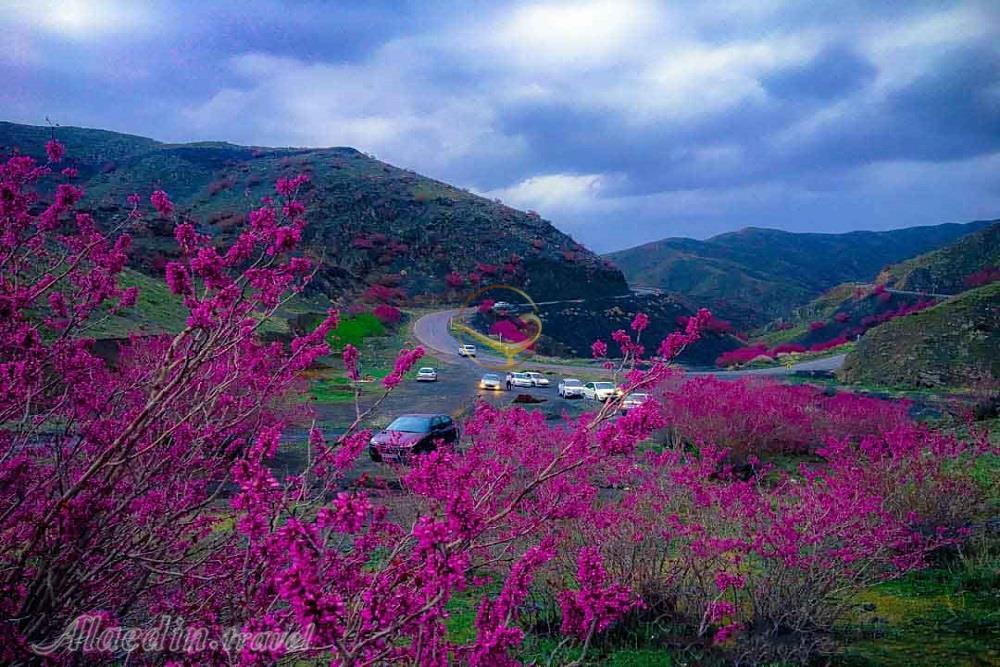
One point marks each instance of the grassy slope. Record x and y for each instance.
(945, 270)
(755, 275)
(156, 310)
(953, 344)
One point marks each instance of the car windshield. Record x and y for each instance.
(603, 385)
(571, 383)
(426, 370)
(639, 397)
(521, 376)
(410, 424)
(491, 378)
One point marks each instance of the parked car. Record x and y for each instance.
(491, 381)
(599, 391)
(571, 388)
(502, 306)
(633, 401)
(466, 350)
(537, 379)
(520, 380)
(412, 434)
(427, 374)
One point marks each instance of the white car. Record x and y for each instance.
(502, 305)
(599, 391)
(466, 350)
(571, 388)
(521, 380)
(537, 379)
(491, 381)
(427, 374)
(633, 401)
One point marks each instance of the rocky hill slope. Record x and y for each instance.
(397, 234)
(971, 261)
(756, 275)
(953, 344)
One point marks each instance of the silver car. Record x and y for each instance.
(633, 401)
(599, 391)
(537, 379)
(521, 380)
(427, 374)
(491, 381)
(571, 388)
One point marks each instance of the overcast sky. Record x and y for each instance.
(620, 121)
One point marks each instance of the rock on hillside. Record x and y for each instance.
(370, 222)
(756, 275)
(971, 261)
(953, 344)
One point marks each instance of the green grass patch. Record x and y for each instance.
(948, 615)
(354, 330)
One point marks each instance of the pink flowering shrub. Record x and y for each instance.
(387, 314)
(108, 472)
(765, 567)
(788, 348)
(986, 276)
(753, 417)
(513, 331)
(742, 355)
(829, 344)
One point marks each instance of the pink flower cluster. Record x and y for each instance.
(598, 603)
(404, 363)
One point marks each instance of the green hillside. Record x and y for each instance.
(370, 222)
(951, 269)
(845, 311)
(757, 275)
(953, 344)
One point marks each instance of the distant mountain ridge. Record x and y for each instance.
(756, 275)
(373, 224)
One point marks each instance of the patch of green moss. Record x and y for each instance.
(940, 616)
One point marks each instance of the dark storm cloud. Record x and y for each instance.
(834, 71)
(662, 118)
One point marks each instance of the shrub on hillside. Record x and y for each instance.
(752, 418)
(990, 274)
(741, 355)
(389, 315)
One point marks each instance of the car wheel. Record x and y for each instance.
(375, 456)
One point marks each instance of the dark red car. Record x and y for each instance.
(412, 434)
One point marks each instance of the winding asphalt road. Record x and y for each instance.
(433, 333)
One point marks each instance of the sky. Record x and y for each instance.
(621, 122)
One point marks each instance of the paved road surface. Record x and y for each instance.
(893, 290)
(432, 332)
